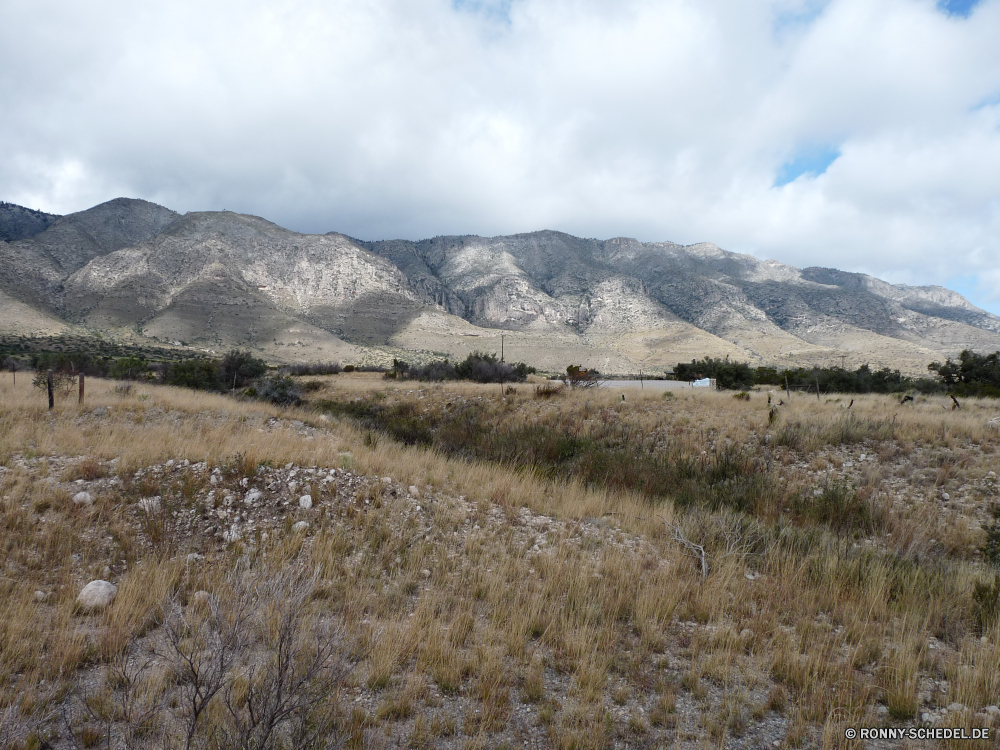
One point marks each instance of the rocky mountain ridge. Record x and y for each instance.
(212, 280)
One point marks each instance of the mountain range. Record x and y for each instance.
(209, 281)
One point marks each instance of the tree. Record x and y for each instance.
(129, 368)
(239, 368)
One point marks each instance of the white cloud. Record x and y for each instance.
(665, 119)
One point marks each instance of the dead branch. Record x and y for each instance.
(696, 550)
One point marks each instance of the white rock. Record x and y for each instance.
(96, 595)
(214, 479)
(926, 718)
(945, 496)
(955, 707)
(193, 558)
(40, 596)
(289, 466)
(414, 492)
(306, 502)
(425, 573)
(101, 411)
(993, 711)
(150, 504)
(300, 526)
(253, 496)
(231, 535)
(170, 462)
(882, 710)
(386, 480)
(83, 498)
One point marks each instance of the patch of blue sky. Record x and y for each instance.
(811, 162)
(791, 21)
(961, 8)
(975, 291)
(495, 10)
(989, 101)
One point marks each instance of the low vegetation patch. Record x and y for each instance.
(596, 573)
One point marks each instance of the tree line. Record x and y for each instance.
(971, 374)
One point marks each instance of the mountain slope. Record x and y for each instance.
(19, 223)
(218, 279)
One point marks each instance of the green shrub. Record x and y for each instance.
(278, 389)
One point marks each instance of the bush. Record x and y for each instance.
(578, 377)
(728, 375)
(129, 368)
(201, 374)
(986, 604)
(278, 389)
(478, 367)
(991, 550)
(239, 368)
(317, 368)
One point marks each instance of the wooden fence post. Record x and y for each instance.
(81, 389)
(52, 398)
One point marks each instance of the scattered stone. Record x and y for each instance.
(83, 498)
(214, 479)
(96, 595)
(746, 634)
(300, 526)
(955, 707)
(993, 711)
(40, 596)
(100, 411)
(289, 466)
(386, 480)
(414, 492)
(253, 496)
(945, 496)
(425, 573)
(306, 502)
(193, 558)
(882, 710)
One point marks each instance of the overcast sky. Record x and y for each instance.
(858, 134)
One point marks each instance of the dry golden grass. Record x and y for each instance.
(571, 600)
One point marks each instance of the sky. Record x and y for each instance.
(857, 134)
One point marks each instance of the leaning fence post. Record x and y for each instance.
(81, 389)
(48, 381)
(817, 388)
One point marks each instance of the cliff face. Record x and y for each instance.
(220, 279)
